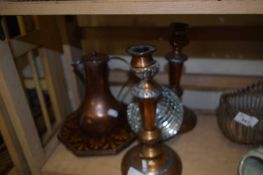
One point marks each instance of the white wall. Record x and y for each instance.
(205, 100)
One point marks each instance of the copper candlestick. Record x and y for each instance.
(176, 59)
(150, 156)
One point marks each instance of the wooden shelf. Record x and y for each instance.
(204, 151)
(131, 7)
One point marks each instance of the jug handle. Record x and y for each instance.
(121, 59)
(81, 76)
(77, 71)
(127, 82)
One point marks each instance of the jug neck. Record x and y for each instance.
(96, 77)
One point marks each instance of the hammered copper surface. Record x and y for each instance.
(95, 111)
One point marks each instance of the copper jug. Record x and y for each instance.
(100, 113)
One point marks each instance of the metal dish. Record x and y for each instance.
(249, 101)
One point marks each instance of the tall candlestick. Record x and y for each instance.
(176, 58)
(150, 156)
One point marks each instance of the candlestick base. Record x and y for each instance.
(189, 120)
(168, 163)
